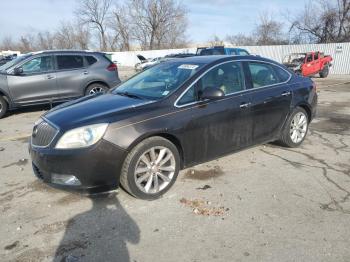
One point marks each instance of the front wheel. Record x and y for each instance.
(151, 168)
(295, 128)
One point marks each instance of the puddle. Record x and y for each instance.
(41, 186)
(333, 125)
(12, 246)
(205, 187)
(21, 162)
(24, 140)
(53, 228)
(72, 245)
(204, 174)
(71, 198)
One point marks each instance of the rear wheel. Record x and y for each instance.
(96, 88)
(325, 71)
(151, 168)
(3, 106)
(295, 129)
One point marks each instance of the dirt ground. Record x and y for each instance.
(263, 204)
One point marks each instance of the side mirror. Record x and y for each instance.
(18, 71)
(212, 93)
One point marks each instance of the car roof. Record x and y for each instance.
(66, 52)
(220, 58)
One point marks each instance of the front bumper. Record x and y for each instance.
(97, 168)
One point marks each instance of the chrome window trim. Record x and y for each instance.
(53, 138)
(235, 93)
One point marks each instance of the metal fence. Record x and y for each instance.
(339, 51)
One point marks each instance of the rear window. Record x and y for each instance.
(91, 60)
(220, 51)
(70, 62)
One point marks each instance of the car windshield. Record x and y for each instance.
(8, 65)
(158, 81)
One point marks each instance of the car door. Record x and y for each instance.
(308, 67)
(72, 75)
(37, 82)
(221, 126)
(271, 97)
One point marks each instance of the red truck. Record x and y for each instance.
(308, 64)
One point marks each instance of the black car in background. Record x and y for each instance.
(172, 116)
(54, 76)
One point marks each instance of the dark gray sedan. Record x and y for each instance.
(54, 76)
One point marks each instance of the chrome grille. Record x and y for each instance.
(43, 134)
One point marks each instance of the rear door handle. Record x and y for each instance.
(86, 72)
(244, 105)
(286, 93)
(50, 77)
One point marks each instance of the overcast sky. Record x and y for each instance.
(206, 17)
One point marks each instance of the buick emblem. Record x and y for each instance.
(35, 131)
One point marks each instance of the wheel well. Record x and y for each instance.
(96, 82)
(308, 111)
(5, 97)
(173, 139)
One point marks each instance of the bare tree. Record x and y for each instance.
(215, 41)
(155, 20)
(121, 26)
(96, 14)
(322, 21)
(241, 40)
(7, 43)
(71, 36)
(268, 31)
(25, 44)
(45, 41)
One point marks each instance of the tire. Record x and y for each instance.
(147, 176)
(290, 134)
(3, 107)
(325, 71)
(96, 88)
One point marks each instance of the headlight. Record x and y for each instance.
(82, 137)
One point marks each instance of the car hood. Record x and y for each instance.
(91, 109)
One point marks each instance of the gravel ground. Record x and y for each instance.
(266, 203)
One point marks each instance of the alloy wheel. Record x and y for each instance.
(155, 170)
(298, 127)
(95, 90)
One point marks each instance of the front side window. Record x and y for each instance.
(228, 77)
(38, 65)
(69, 62)
(158, 81)
(262, 74)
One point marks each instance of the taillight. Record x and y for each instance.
(112, 67)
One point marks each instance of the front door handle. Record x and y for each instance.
(50, 77)
(286, 93)
(86, 72)
(244, 105)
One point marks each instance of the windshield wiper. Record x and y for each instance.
(129, 95)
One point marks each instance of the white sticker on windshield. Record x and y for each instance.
(186, 66)
(165, 92)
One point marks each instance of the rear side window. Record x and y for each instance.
(283, 76)
(242, 52)
(91, 60)
(262, 74)
(69, 62)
